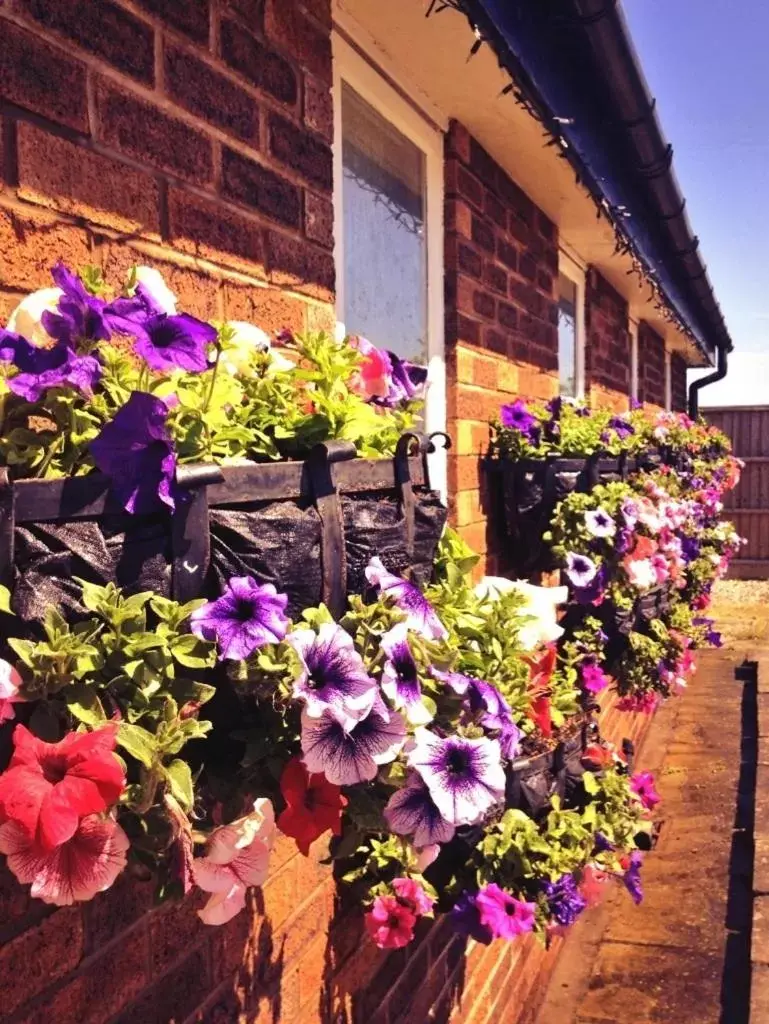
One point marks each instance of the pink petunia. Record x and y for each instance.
(389, 923)
(505, 916)
(237, 856)
(373, 378)
(642, 784)
(411, 893)
(10, 681)
(74, 871)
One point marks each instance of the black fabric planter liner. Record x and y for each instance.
(533, 781)
(528, 491)
(308, 527)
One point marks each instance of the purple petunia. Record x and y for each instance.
(408, 381)
(632, 876)
(347, 756)
(420, 614)
(44, 368)
(400, 676)
(411, 811)
(690, 549)
(712, 636)
(81, 316)
(505, 916)
(247, 616)
(564, 899)
(599, 523)
(622, 427)
(465, 777)
(486, 704)
(580, 569)
(630, 512)
(466, 919)
(601, 844)
(516, 416)
(136, 452)
(593, 593)
(333, 680)
(164, 342)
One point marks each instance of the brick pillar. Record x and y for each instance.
(607, 344)
(651, 366)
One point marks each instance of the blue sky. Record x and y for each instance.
(707, 63)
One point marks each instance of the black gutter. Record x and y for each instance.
(696, 386)
(575, 64)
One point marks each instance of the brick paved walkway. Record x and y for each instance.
(683, 956)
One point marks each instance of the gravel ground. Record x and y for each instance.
(735, 592)
(741, 611)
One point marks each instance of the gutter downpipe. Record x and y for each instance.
(696, 386)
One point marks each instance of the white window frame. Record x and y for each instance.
(351, 66)
(668, 380)
(576, 271)
(632, 329)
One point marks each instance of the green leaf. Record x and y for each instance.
(5, 600)
(138, 742)
(590, 783)
(192, 652)
(83, 702)
(180, 780)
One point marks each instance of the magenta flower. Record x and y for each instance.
(642, 784)
(465, 777)
(411, 893)
(247, 616)
(136, 452)
(400, 678)
(333, 678)
(389, 923)
(44, 368)
(504, 915)
(411, 811)
(350, 755)
(420, 614)
(594, 679)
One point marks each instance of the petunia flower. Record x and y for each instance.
(516, 416)
(48, 787)
(564, 899)
(580, 569)
(389, 923)
(136, 452)
(313, 805)
(244, 341)
(465, 777)
(411, 811)
(247, 616)
(373, 378)
(487, 705)
(599, 523)
(593, 677)
(537, 617)
(642, 784)
(350, 755)
(640, 572)
(156, 292)
(622, 427)
(10, 681)
(27, 317)
(79, 316)
(632, 876)
(420, 614)
(333, 678)
(237, 856)
(412, 895)
(593, 884)
(164, 342)
(400, 676)
(44, 368)
(466, 919)
(426, 855)
(86, 863)
(408, 380)
(505, 916)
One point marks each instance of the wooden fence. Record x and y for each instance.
(748, 504)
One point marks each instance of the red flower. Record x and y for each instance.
(541, 669)
(49, 787)
(314, 805)
(597, 755)
(540, 715)
(389, 923)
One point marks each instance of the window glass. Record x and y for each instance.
(385, 253)
(567, 335)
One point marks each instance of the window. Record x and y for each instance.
(633, 332)
(388, 192)
(571, 319)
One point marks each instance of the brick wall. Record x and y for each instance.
(607, 344)
(679, 396)
(501, 257)
(189, 135)
(651, 366)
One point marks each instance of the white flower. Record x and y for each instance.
(538, 613)
(158, 290)
(244, 341)
(641, 573)
(27, 318)
(237, 856)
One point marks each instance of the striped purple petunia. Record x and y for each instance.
(464, 776)
(420, 614)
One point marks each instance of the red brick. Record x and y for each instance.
(484, 304)
(507, 254)
(251, 11)
(507, 316)
(103, 29)
(296, 263)
(268, 308)
(300, 151)
(263, 68)
(469, 187)
(484, 166)
(145, 133)
(196, 290)
(320, 9)
(206, 93)
(470, 262)
(250, 183)
(187, 16)
(495, 210)
(109, 915)
(496, 278)
(214, 232)
(175, 996)
(462, 328)
(78, 181)
(319, 219)
(40, 956)
(30, 244)
(174, 928)
(483, 234)
(102, 990)
(527, 266)
(38, 77)
(319, 109)
(294, 33)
